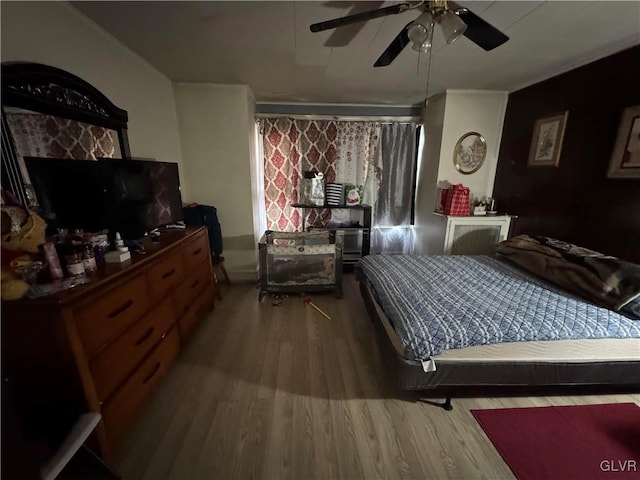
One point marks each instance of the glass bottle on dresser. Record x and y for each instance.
(73, 257)
(89, 259)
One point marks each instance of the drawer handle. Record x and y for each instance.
(169, 273)
(143, 338)
(197, 252)
(121, 309)
(153, 373)
(195, 284)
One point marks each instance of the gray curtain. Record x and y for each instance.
(392, 211)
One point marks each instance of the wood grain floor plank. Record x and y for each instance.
(344, 433)
(278, 459)
(280, 392)
(229, 430)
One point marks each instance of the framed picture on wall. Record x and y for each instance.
(469, 153)
(546, 144)
(625, 159)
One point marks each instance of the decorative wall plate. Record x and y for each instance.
(469, 153)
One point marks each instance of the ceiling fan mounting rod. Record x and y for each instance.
(438, 4)
(438, 8)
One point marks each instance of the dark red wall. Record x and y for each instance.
(575, 201)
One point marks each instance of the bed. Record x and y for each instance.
(457, 325)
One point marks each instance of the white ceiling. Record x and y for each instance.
(268, 46)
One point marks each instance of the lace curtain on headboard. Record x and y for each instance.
(37, 135)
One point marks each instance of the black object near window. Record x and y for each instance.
(205, 215)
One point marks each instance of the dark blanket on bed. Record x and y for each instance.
(600, 279)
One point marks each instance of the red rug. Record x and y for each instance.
(572, 442)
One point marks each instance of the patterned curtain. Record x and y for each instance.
(37, 135)
(381, 157)
(291, 147)
(359, 157)
(359, 161)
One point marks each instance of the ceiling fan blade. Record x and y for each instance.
(341, 37)
(395, 47)
(359, 17)
(479, 31)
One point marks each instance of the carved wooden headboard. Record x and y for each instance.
(51, 91)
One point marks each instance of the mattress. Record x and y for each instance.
(466, 308)
(559, 351)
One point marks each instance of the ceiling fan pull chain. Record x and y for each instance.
(426, 92)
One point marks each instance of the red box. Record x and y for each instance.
(458, 201)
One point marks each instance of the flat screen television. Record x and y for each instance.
(127, 196)
(142, 194)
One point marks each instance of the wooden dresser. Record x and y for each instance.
(104, 347)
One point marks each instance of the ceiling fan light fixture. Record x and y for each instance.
(422, 47)
(452, 26)
(418, 31)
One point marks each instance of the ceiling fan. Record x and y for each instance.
(453, 19)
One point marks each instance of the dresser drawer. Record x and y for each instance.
(112, 365)
(165, 274)
(202, 305)
(111, 313)
(196, 251)
(122, 407)
(191, 286)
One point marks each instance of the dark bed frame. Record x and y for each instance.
(475, 379)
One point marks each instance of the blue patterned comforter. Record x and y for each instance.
(439, 303)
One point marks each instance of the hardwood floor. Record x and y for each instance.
(279, 392)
